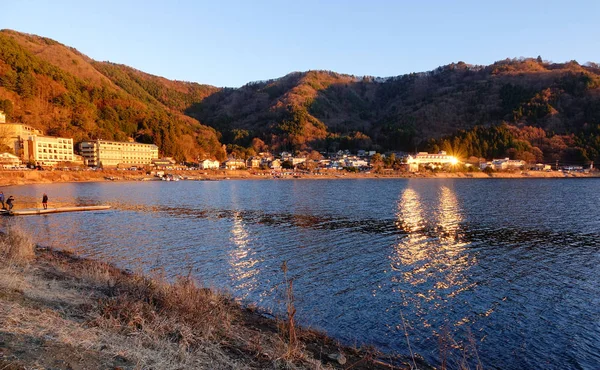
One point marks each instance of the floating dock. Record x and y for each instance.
(41, 211)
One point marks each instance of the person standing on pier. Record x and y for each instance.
(45, 201)
(10, 201)
(2, 200)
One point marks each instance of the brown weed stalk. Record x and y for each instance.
(290, 324)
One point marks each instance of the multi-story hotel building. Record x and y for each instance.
(14, 136)
(114, 153)
(48, 150)
(30, 145)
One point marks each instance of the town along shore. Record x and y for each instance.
(24, 177)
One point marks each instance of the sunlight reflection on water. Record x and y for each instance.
(431, 264)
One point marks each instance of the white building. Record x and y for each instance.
(336, 164)
(484, 165)
(426, 159)
(166, 163)
(542, 167)
(8, 160)
(235, 164)
(209, 164)
(254, 162)
(114, 153)
(275, 164)
(297, 160)
(48, 150)
(505, 164)
(358, 163)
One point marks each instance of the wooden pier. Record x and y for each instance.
(41, 211)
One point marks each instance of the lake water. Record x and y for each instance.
(503, 269)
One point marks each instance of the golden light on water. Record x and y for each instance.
(430, 261)
(410, 213)
(243, 265)
(435, 238)
(449, 218)
(410, 219)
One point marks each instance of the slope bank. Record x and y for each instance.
(61, 311)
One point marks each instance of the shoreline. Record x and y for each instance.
(11, 177)
(59, 310)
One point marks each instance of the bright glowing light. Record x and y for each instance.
(453, 160)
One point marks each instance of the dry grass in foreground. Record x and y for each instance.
(16, 248)
(61, 311)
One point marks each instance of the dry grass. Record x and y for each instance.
(196, 322)
(59, 306)
(16, 252)
(458, 354)
(63, 330)
(181, 312)
(83, 310)
(16, 247)
(11, 278)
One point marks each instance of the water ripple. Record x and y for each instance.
(509, 265)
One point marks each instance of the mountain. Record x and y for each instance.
(527, 108)
(328, 111)
(57, 89)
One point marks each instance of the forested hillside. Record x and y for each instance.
(547, 111)
(55, 88)
(522, 108)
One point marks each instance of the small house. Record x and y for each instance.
(8, 160)
(235, 164)
(275, 164)
(209, 164)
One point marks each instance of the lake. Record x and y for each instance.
(504, 270)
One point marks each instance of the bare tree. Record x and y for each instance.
(7, 139)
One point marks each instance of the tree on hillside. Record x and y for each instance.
(376, 161)
(258, 145)
(6, 106)
(6, 141)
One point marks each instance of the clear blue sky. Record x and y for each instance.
(229, 43)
